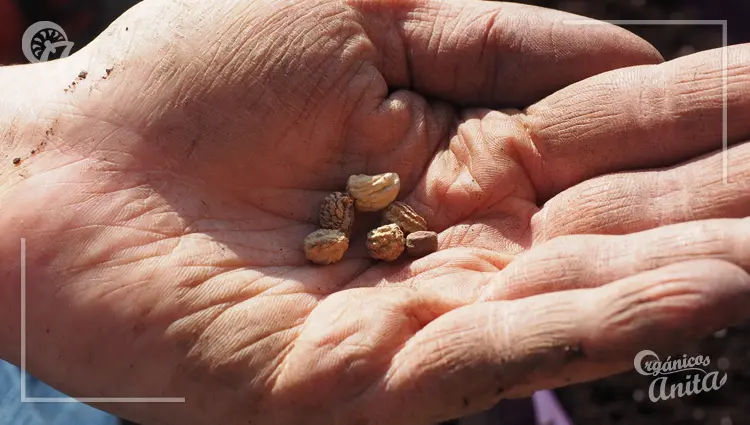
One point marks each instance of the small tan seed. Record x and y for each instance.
(407, 219)
(386, 242)
(337, 212)
(419, 244)
(373, 193)
(326, 246)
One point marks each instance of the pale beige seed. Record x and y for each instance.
(386, 243)
(407, 219)
(326, 246)
(337, 212)
(373, 193)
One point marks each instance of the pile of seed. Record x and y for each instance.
(402, 229)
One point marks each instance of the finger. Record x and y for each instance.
(638, 117)
(587, 261)
(489, 53)
(632, 202)
(468, 359)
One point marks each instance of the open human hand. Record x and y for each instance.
(170, 188)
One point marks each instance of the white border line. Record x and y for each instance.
(725, 163)
(26, 399)
(23, 320)
(724, 83)
(724, 65)
(103, 400)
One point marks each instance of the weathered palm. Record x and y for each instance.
(166, 204)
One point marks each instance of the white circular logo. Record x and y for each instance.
(43, 39)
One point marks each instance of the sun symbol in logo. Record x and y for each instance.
(41, 41)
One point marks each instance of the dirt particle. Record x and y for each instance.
(126, 28)
(108, 71)
(16, 161)
(81, 76)
(33, 151)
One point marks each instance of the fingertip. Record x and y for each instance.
(623, 47)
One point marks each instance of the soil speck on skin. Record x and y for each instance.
(16, 161)
(33, 151)
(126, 28)
(108, 71)
(81, 76)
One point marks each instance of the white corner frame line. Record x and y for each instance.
(724, 65)
(26, 399)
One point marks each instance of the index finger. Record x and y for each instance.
(635, 118)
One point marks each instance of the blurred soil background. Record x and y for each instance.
(621, 400)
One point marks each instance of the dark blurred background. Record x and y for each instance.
(621, 400)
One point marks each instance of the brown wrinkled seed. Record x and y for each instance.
(337, 212)
(326, 246)
(419, 244)
(386, 243)
(405, 217)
